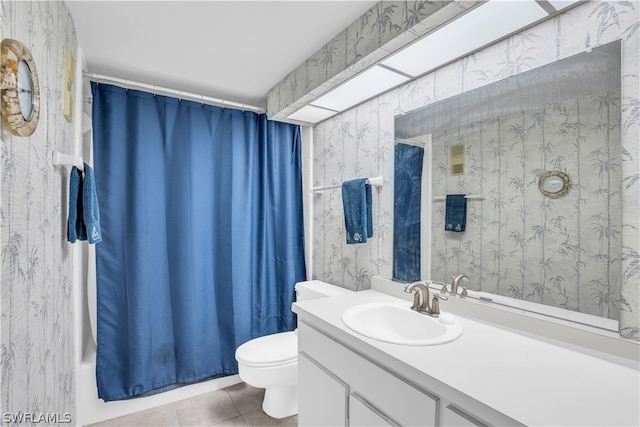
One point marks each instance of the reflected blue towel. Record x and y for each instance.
(356, 199)
(455, 217)
(90, 206)
(75, 225)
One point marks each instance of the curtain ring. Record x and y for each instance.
(223, 104)
(126, 86)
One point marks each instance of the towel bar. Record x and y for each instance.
(377, 181)
(468, 197)
(61, 159)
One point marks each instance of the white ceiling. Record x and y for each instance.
(232, 50)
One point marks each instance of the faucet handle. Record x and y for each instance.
(412, 288)
(443, 285)
(416, 301)
(435, 306)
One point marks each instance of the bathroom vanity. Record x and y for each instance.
(490, 375)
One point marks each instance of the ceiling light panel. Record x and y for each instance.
(365, 85)
(561, 4)
(311, 114)
(481, 26)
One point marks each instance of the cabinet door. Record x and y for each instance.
(407, 403)
(322, 397)
(453, 416)
(364, 414)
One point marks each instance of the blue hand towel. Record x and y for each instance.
(90, 206)
(75, 225)
(357, 202)
(455, 217)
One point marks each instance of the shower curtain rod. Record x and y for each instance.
(129, 84)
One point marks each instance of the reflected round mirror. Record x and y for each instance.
(554, 184)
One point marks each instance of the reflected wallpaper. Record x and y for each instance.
(563, 252)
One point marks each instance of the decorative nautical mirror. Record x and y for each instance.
(20, 106)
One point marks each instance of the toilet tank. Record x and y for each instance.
(314, 289)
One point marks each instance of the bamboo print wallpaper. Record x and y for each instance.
(384, 26)
(563, 252)
(37, 348)
(359, 142)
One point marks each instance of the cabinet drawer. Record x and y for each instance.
(406, 403)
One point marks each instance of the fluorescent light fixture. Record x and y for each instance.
(365, 85)
(311, 114)
(561, 4)
(481, 26)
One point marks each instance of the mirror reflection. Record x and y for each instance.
(494, 144)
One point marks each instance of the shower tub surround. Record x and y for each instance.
(492, 374)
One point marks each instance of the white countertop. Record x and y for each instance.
(530, 380)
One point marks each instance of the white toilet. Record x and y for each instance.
(271, 362)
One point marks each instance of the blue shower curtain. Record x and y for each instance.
(201, 214)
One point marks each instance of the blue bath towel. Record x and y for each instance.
(455, 217)
(357, 202)
(90, 206)
(75, 225)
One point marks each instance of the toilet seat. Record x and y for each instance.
(269, 350)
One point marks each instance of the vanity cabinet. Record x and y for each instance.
(340, 387)
(336, 384)
(491, 375)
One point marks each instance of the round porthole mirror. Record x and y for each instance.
(19, 88)
(554, 184)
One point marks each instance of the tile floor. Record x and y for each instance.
(237, 405)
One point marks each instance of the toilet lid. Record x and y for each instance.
(270, 350)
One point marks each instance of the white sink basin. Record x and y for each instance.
(396, 323)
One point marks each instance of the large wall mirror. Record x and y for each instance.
(540, 152)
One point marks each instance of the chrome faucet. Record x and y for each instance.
(456, 282)
(421, 299)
